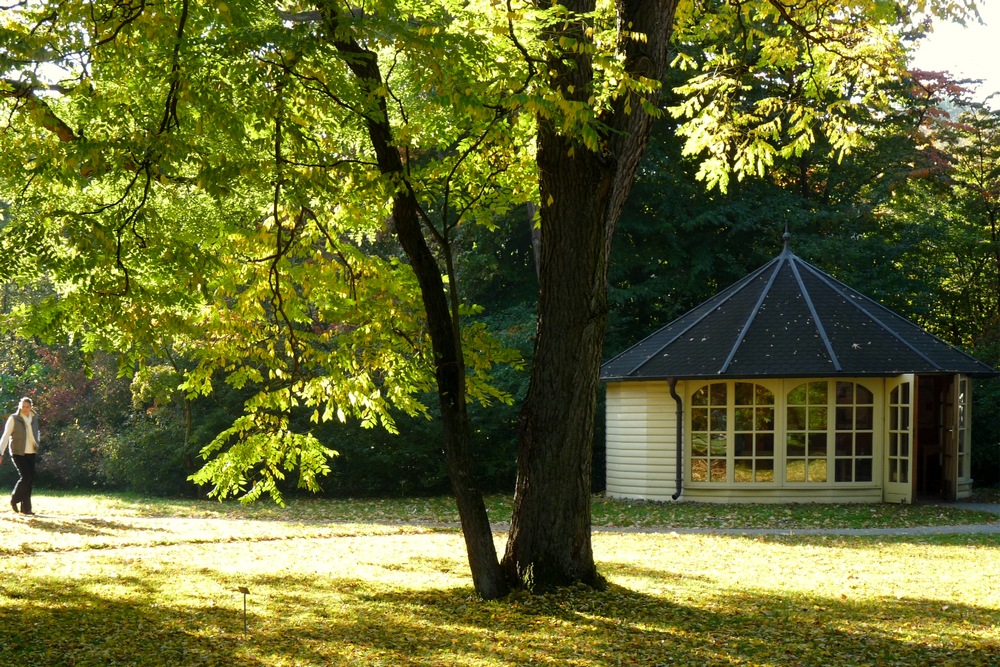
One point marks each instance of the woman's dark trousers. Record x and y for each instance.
(22, 490)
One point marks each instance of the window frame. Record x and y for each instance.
(781, 390)
(731, 431)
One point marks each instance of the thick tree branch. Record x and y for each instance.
(32, 104)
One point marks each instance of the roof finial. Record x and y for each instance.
(787, 237)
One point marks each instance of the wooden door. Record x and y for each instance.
(956, 453)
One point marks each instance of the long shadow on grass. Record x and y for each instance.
(624, 627)
(349, 622)
(59, 623)
(83, 526)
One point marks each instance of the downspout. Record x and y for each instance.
(680, 437)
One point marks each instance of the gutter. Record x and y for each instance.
(680, 437)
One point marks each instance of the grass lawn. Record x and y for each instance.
(113, 580)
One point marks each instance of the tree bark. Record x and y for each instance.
(582, 194)
(487, 576)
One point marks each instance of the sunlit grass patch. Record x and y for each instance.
(132, 585)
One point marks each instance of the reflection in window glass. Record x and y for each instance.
(898, 453)
(732, 433)
(815, 448)
(962, 433)
(708, 433)
(828, 433)
(854, 433)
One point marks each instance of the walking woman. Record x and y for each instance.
(21, 436)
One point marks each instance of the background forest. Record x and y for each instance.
(911, 218)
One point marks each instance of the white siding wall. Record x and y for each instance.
(641, 440)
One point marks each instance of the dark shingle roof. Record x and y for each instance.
(789, 319)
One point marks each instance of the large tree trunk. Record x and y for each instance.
(549, 543)
(582, 193)
(487, 576)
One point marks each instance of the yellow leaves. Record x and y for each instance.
(385, 581)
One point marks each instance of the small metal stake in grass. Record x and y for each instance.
(246, 592)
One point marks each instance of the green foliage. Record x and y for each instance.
(770, 85)
(245, 232)
(72, 459)
(907, 217)
(986, 432)
(146, 456)
(199, 186)
(238, 473)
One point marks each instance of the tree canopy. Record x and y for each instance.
(275, 195)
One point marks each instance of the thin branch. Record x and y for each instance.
(128, 13)
(528, 59)
(274, 271)
(170, 119)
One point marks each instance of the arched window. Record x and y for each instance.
(732, 433)
(829, 433)
(709, 429)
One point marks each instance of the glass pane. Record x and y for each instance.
(817, 393)
(904, 445)
(864, 395)
(718, 394)
(795, 470)
(765, 470)
(744, 393)
(718, 419)
(894, 470)
(863, 444)
(765, 419)
(718, 471)
(796, 419)
(864, 418)
(699, 445)
(963, 401)
(744, 419)
(904, 394)
(817, 444)
(904, 471)
(817, 419)
(742, 470)
(700, 397)
(699, 470)
(765, 444)
(797, 396)
(894, 445)
(842, 470)
(817, 470)
(844, 444)
(699, 419)
(845, 393)
(743, 444)
(796, 445)
(764, 395)
(845, 419)
(863, 470)
(893, 419)
(894, 396)
(717, 445)
(904, 418)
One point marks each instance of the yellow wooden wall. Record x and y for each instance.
(641, 433)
